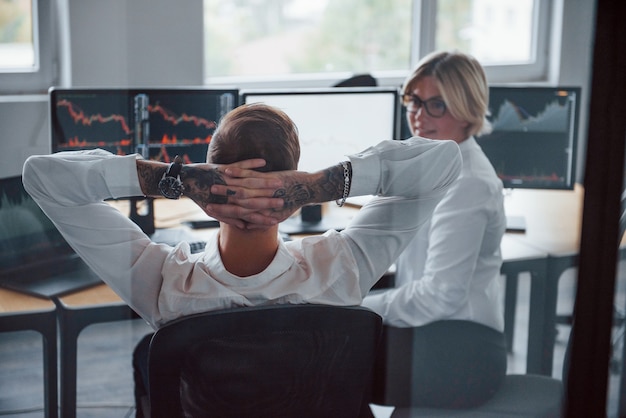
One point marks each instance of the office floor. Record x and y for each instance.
(105, 387)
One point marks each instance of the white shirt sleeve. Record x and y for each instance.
(70, 188)
(411, 177)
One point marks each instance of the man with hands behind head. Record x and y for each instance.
(246, 262)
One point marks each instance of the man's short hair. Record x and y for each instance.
(256, 131)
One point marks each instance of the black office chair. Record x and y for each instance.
(271, 361)
(358, 80)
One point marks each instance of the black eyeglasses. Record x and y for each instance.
(435, 107)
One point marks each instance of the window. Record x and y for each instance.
(17, 49)
(304, 40)
(494, 31)
(509, 37)
(265, 39)
(27, 46)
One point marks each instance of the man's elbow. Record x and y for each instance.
(33, 169)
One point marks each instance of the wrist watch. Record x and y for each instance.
(170, 185)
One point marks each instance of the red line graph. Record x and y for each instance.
(175, 120)
(166, 139)
(111, 127)
(79, 116)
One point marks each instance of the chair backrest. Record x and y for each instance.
(270, 361)
(358, 80)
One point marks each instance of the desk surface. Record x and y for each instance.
(515, 249)
(13, 302)
(553, 218)
(101, 294)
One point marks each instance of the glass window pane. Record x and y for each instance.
(17, 50)
(493, 31)
(276, 37)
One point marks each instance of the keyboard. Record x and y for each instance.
(197, 247)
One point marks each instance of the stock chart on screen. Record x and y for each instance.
(157, 123)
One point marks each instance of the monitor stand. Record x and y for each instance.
(311, 221)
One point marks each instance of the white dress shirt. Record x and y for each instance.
(451, 268)
(162, 283)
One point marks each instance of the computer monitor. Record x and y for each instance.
(333, 123)
(158, 123)
(27, 236)
(34, 257)
(534, 137)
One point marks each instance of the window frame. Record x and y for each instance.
(44, 73)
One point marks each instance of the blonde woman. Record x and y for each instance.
(450, 271)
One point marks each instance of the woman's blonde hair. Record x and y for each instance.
(463, 86)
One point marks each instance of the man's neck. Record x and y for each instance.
(247, 252)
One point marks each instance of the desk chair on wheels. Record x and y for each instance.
(270, 361)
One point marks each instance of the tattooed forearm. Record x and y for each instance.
(323, 186)
(198, 184)
(335, 181)
(149, 175)
(197, 181)
(296, 195)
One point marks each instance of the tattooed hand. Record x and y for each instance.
(238, 195)
(198, 180)
(298, 189)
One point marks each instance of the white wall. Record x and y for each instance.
(23, 132)
(136, 42)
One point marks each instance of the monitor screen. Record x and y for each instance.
(27, 236)
(534, 138)
(335, 122)
(332, 123)
(158, 123)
